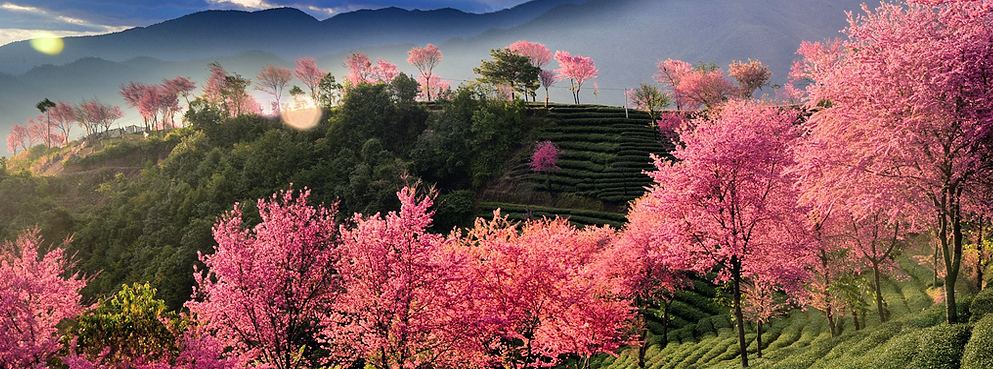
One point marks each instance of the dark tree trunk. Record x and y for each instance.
(879, 293)
(758, 339)
(738, 316)
(830, 318)
(665, 322)
(855, 318)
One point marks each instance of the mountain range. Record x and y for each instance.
(625, 38)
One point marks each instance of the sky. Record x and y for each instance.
(24, 19)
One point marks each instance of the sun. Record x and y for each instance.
(47, 43)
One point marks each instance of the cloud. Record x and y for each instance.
(24, 21)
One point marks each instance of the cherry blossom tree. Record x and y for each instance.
(425, 59)
(762, 302)
(435, 86)
(359, 68)
(403, 287)
(671, 74)
(308, 73)
(545, 159)
(577, 69)
(907, 107)
(547, 79)
(37, 292)
(536, 51)
(728, 202)
(38, 131)
(63, 117)
(272, 80)
(535, 296)
(267, 291)
(751, 76)
(17, 138)
(637, 264)
(99, 114)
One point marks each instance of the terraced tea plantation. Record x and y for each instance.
(604, 152)
(915, 336)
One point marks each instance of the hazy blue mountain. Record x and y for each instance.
(626, 38)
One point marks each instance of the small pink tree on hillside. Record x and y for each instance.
(547, 79)
(272, 80)
(267, 292)
(539, 54)
(763, 301)
(359, 68)
(913, 113)
(37, 292)
(63, 117)
(705, 88)
(728, 202)
(751, 76)
(436, 86)
(545, 159)
(17, 138)
(404, 288)
(425, 59)
(671, 73)
(308, 73)
(578, 69)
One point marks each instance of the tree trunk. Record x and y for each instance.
(855, 317)
(953, 257)
(830, 318)
(738, 317)
(980, 263)
(879, 292)
(665, 322)
(758, 339)
(643, 343)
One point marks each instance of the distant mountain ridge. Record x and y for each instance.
(286, 32)
(625, 38)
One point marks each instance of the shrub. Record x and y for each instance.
(978, 352)
(982, 304)
(895, 353)
(941, 347)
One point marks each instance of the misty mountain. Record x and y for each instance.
(626, 38)
(286, 32)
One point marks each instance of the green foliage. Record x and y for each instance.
(454, 209)
(978, 352)
(469, 142)
(510, 69)
(941, 347)
(132, 324)
(982, 304)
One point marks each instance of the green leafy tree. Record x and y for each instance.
(510, 69)
(132, 328)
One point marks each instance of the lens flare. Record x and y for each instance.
(47, 43)
(301, 119)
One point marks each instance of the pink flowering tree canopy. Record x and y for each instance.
(266, 290)
(577, 69)
(425, 59)
(37, 292)
(536, 51)
(272, 80)
(728, 202)
(308, 73)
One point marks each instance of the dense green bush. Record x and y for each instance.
(982, 304)
(941, 347)
(978, 352)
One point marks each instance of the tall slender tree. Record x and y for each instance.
(577, 69)
(425, 59)
(729, 203)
